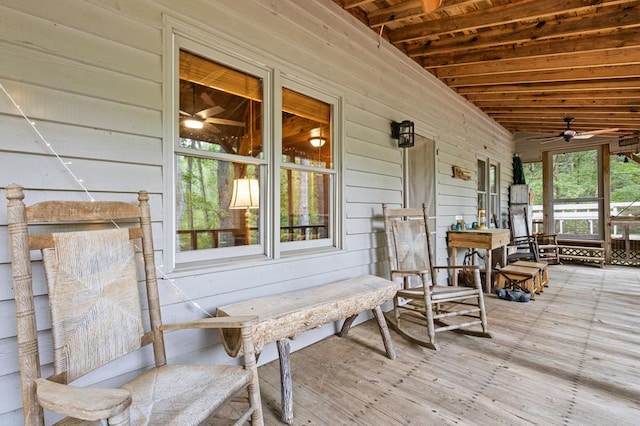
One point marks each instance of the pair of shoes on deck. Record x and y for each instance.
(515, 295)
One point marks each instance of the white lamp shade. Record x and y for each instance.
(246, 193)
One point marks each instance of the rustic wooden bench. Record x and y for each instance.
(589, 251)
(285, 316)
(541, 267)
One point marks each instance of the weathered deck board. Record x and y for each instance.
(568, 358)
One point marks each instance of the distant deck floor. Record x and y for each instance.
(572, 357)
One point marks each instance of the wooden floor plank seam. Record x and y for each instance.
(569, 358)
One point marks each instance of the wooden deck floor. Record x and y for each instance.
(572, 357)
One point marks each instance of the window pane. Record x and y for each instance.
(304, 205)
(306, 130)
(493, 179)
(482, 173)
(219, 107)
(205, 218)
(577, 218)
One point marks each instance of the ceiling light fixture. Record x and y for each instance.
(193, 123)
(317, 141)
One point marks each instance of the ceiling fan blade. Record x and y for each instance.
(185, 113)
(225, 122)
(600, 132)
(553, 139)
(583, 136)
(209, 112)
(542, 138)
(207, 98)
(212, 128)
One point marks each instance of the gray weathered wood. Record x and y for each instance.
(286, 393)
(419, 299)
(92, 327)
(288, 315)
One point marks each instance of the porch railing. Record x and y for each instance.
(625, 226)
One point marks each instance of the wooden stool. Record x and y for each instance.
(541, 266)
(528, 278)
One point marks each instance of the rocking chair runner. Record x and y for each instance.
(421, 300)
(96, 317)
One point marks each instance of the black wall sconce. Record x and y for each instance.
(404, 132)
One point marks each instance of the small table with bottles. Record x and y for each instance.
(487, 239)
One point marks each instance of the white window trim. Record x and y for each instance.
(180, 35)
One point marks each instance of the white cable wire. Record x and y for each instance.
(65, 164)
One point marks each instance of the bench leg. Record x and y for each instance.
(384, 332)
(382, 325)
(347, 325)
(286, 386)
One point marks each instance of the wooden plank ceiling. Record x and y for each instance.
(528, 64)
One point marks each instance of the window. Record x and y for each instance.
(488, 193)
(232, 176)
(306, 172)
(577, 203)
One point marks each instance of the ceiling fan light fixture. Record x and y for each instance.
(193, 123)
(317, 141)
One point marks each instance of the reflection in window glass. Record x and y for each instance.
(220, 114)
(482, 176)
(306, 130)
(205, 212)
(306, 142)
(304, 205)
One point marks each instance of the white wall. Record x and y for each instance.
(89, 73)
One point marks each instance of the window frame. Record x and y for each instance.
(274, 78)
(333, 171)
(486, 193)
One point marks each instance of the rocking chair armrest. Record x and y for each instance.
(90, 404)
(522, 240)
(408, 272)
(457, 267)
(238, 321)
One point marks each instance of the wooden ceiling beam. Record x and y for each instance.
(571, 75)
(411, 10)
(543, 116)
(632, 112)
(536, 48)
(613, 95)
(630, 84)
(613, 20)
(501, 15)
(559, 103)
(352, 4)
(610, 57)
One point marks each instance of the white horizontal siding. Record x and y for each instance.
(90, 75)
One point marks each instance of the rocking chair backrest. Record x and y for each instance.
(408, 240)
(519, 226)
(94, 299)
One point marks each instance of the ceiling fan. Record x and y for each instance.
(198, 120)
(569, 134)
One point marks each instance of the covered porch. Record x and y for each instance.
(568, 358)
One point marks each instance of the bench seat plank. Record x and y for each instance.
(290, 314)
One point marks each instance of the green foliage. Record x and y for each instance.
(575, 176)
